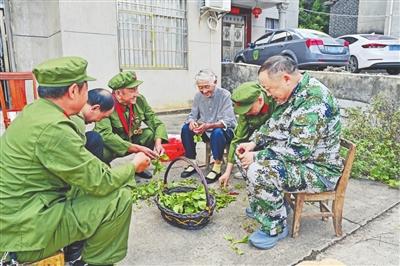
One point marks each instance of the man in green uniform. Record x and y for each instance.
(254, 108)
(42, 157)
(100, 105)
(122, 133)
(296, 150)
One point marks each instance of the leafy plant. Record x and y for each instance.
(239, 186)
(222, 197)
(233, 243)
(376, 132)
(146, 191)
(155, 187)
(197, 138)
(315, 20)
(185, 202)
(157, 163)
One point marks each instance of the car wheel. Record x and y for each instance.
(353, 65)
(240, 60)
(290, 57)
(393, 71)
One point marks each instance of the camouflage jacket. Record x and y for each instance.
(304, 130)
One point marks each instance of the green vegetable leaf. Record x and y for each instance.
(197, 138)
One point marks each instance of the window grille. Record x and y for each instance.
(152, 34)
(271, 23)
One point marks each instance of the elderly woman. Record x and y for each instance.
(212, 118)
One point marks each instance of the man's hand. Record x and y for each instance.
(224, 180)
(158, 148)
(201, 129)
(246, 159)
(141, 162)
(193, 125)
(135, 148)
(244, 147)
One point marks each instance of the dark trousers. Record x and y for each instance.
(95, 144)
(219, 138)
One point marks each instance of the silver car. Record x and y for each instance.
(311, 49)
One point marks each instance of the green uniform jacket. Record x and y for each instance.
(304, 131)
(247, 124)
(42, 155)
(112, 130)
(80, 122)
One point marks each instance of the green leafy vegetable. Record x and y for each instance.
(233, 243)
(239, 186)
(158, 165)
(197, 138)
(222, 197)
(145, 191)
(185, 202)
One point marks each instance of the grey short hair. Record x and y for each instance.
(206, 75)
(278, 63)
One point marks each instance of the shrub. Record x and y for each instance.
(376, 132)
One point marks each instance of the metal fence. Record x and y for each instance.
(152, 34)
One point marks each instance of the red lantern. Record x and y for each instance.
(256, 11)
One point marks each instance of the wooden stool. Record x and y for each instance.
(208, 154)
(296, 200)
(55, 260)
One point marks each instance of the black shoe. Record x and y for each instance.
(145, 174)
(189, 170)
(212, 177)
(83, 263)
(73, 251)
(78, 263)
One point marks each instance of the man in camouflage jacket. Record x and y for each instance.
(297, 150)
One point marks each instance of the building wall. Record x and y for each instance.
(63, 28)
(292, 19)
(170, 89)
(394, 21)
(90, 31)
(340, 25)
(367, 22)
(373, 16)
(36, 32)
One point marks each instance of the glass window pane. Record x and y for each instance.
(152, 33)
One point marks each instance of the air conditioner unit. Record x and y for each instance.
(216, 5)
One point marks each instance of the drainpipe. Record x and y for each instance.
(389, 28)
(10, 43)
(4, 43)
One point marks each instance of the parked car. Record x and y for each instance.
(373, 51)
(311, 49)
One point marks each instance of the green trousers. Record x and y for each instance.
(144, 139)
(102, 221)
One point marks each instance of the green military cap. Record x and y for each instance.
(60, 72)
(124, 80)
(244, 96)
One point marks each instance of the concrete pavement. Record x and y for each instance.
(370, 215)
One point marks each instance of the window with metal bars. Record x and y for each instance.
(152, 34)
(271, 23)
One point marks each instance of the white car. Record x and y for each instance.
(373, 51)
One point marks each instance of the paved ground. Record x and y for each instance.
(370, 225)
(371, 230)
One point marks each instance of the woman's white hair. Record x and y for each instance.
(206, 75)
